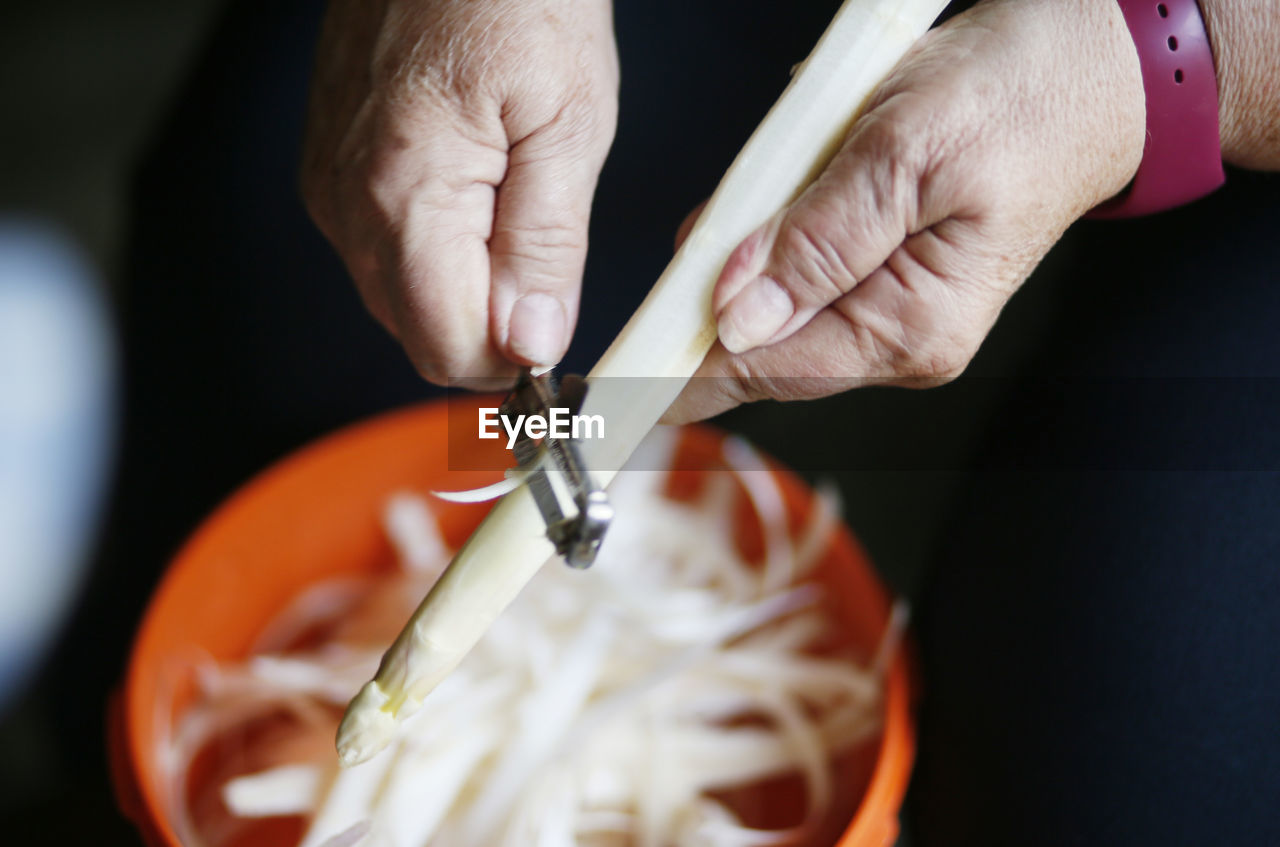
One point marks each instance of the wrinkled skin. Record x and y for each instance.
(454, 146)
(451, 153)
(971, 161)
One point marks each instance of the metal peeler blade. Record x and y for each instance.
(575, 509)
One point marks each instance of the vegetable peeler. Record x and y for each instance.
(574, 506)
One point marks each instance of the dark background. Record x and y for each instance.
(163, 137)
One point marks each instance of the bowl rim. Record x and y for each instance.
(875, 823)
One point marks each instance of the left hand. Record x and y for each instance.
(451, 155)
(996, 132)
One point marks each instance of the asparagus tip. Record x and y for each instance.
(367, 727)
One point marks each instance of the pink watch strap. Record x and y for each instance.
(1182, 157)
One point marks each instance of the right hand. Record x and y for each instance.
(995, 132)
(451, 153)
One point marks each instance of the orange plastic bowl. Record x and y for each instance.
(316, 515)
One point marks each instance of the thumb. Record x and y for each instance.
(840, 230)
(538, 248)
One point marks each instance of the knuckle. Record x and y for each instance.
(882, 349)
(748, 383)
(563, 125)
(806, 379)
(884, 135)
(894, 141)
(580, 126)
(930, 362)
(740, 384)
(548, 237)
(918, 334)
(945, 364)
(901, 154)
(549, 251)
(438, 363)
(429, 371)
(816, 270)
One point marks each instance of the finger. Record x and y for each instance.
(826, 356)
(419, 216)
(539, 246)
(915, 321)
(841, 229)
(440, 299)
(686, 226)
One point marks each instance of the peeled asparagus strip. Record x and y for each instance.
(603, 708)
(662, 345)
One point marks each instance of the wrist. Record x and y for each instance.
(1242, 35)
(1181, 158)
(1069, 116)
(1123, 94)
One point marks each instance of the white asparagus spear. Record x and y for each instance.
(662, 345)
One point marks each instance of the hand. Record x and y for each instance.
(996, 132)
(451, 153)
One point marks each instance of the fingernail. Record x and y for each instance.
(536, 330)
(754, 315)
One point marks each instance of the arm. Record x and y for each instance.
(1245, 36)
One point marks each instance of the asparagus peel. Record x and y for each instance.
(664, 342)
